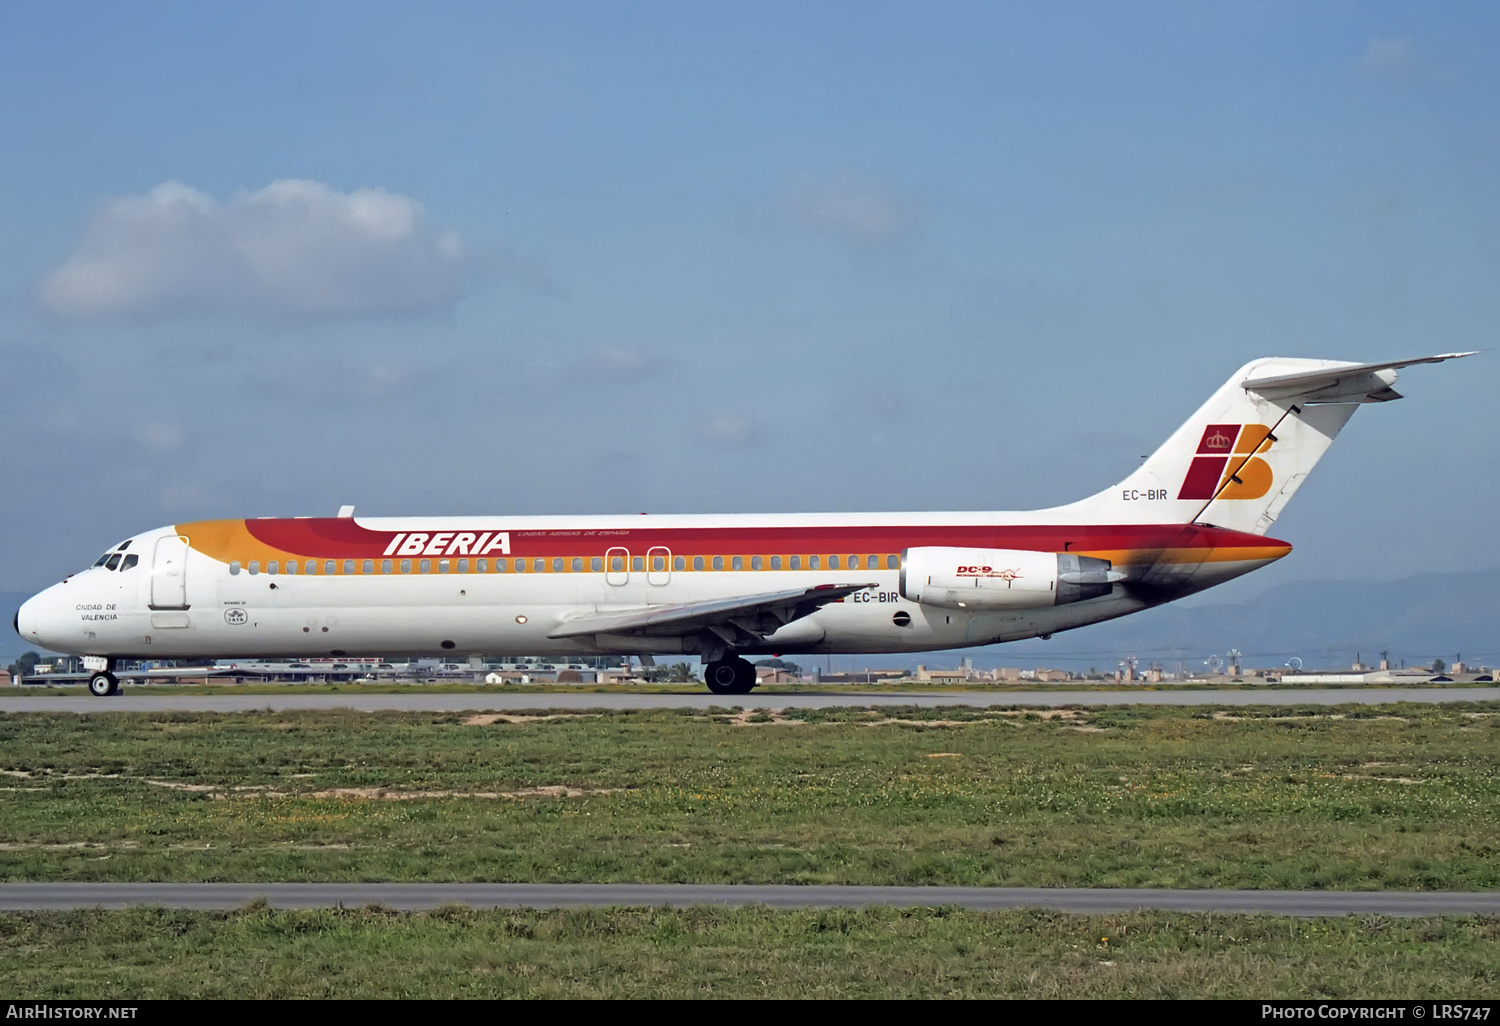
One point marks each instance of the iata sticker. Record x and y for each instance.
(236, 617)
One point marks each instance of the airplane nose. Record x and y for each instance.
(25, 621)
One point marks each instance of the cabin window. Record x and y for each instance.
(348, 566)
(500, 565)
(367, 567)
(833, 562)
(658, 563)
(330, 567)
(892, 562)
(616, 564)
(697, 562)
(273, 566)
(234, 568)
(114, 561)
(385, 566)
(775, 562)
(638, 563)
(520, 566)
(737, 563)
(130, 561)
(718, 562)
(597, 563)
(255, 566)
(853, 562)
(557, 564)
(679, 563)
(463, 566)
(795, 562)
(291, 566)
(482, 565)
(312, 566)
(812, 562)
(872, 562)
(538, 565)
(425, 566)
(578, 564)
(406, 566)
(442, 566)
(754, 562)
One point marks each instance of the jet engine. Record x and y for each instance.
(998, 579)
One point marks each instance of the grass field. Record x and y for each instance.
(1354, 797)
(755, 952)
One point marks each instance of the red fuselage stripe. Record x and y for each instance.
(340, 538)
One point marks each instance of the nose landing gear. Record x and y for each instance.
(730, 676)
(104, 684)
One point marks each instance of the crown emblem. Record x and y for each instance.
(1218, 440)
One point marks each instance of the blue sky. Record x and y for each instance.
(270, 259)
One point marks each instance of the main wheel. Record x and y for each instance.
(732, 676)
(104, 684)
(720, 677)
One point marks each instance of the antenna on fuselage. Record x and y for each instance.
(346, 511)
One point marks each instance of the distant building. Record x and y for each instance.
(941, 676)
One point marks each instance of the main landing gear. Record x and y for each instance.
(730, 676)
(103, 684)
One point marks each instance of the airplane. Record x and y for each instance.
(1195, 514)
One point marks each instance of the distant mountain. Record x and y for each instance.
(1324, 622)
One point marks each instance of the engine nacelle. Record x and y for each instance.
(988, 579)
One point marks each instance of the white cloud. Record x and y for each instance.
(846, 208)
(1393, 56)
(613, 364)
(159, 437)
(727, 429)
(292, 249)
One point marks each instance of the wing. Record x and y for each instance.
(742, 620)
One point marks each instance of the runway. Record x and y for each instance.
(16, 897)
(501, 701)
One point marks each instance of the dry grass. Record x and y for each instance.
(754, 952)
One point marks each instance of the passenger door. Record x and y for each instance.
(169, 573)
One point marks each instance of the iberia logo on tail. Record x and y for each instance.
(1227, 464)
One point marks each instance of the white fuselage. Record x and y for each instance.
(192, 592)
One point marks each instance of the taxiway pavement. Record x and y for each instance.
(501, 701)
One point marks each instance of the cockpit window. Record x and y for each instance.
(101, 559)
(130, 561)
(123, 546)
(114, 561)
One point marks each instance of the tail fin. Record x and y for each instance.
(1239, 460)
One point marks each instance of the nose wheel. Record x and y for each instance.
(733, 676)
(104, 684)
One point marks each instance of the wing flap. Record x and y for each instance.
(748, 613)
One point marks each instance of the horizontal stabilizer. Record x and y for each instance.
(1340, 382)
(756, 615)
